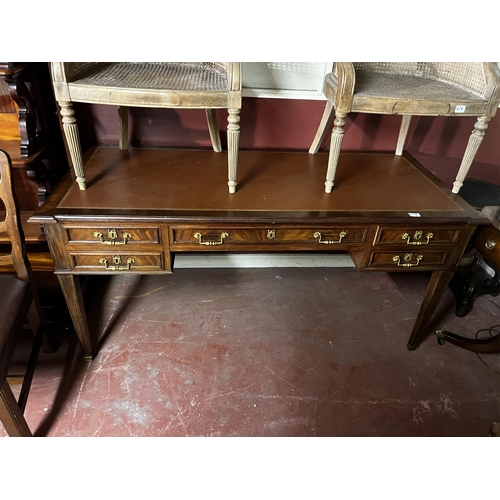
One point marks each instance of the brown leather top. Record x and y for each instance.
(284, 181)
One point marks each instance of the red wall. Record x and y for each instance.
(437, 142)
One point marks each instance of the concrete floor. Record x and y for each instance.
(266, 352)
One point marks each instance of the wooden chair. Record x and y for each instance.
(409, 88)
(18, 301)
(209, 86)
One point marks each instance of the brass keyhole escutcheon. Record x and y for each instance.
(271, 234)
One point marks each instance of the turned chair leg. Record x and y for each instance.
(335, 144)
(123, 127)
(73, 140)
(403, 132)
(324, 125)
(472, 147)
(213, 128)
(233, 141)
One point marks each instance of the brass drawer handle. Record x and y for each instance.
(407, 260)
(112, 235)
(223, 236)
(330, 242)
(490, 244)
(117, 260)
(416, 237)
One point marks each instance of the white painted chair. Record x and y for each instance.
(409, 88)
(201, 85)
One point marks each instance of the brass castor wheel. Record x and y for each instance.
(441, 335)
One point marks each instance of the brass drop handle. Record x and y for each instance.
(223, 236)
(117, 260)
(112, 235)
(330, 242)
(407, 260)
(490, 244)
(416, 238)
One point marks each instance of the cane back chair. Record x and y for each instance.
(409, 88)
(18, 302)
(201, 85)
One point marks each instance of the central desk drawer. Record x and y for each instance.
(112, 235)
(114, 261)
(206, 237)
(418, 236)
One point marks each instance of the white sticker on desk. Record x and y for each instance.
(413, 214)
(460, 108)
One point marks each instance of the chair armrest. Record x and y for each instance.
(234, 76)
(492, 92)
(346, 78)
(67, 72)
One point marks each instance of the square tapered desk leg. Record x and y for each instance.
(72, 290)
(433, 295)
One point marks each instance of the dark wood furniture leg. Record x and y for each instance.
(72, 291)
(435, 291)
(467, 288)
(487, 345)
(11, 414)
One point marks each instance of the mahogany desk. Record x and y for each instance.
(142, 206)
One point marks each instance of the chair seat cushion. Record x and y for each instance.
(156, 76)
(14, 304)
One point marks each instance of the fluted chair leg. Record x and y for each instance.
(233, 142)
(324, 125)
(73, 140)
(11, 414)
(403, 132)
(122, 127)
(335, 144)
(213, 128)
(475, 141)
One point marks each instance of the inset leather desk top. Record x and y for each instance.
(186, 180)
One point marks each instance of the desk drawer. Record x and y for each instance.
(206, 237)
(113, 235)
(402, 261)
(122, 262)
(417, 236)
